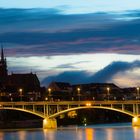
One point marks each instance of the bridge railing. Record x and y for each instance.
(46, 107)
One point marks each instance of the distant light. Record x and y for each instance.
(88, 104)
(108, 88)
(49, 89)
(78, 89)
(45, 121)
(20, 90)
(135, 119)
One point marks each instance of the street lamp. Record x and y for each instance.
(49, 90)
(138, 91)
(108, 92)
(10, 95)
(20, 93)
(78, 90)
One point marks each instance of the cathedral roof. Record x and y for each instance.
(27, 79)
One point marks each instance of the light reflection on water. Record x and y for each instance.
(102, 132)
(136, 133)
(89, 133)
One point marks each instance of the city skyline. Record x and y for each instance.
(90, 41)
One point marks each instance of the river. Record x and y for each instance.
(93, 132)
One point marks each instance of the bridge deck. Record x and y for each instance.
(70, 102)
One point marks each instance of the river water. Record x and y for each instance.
(94, 132)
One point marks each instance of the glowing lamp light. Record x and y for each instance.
(78, 89)
(135, 119)
(20, 90)
(49, 89)
(45, 121)
(88, 104)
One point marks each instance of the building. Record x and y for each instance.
(97, 91)
(60, 87)
(60, 90)
(89, 91)
(25, 85)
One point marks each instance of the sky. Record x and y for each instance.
(73, 41)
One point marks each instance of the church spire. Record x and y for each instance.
(3, 66)
(2, 53)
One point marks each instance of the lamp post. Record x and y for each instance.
(78, 90)
(10, 95)
(20, 93)
(49, 95)
(138, 92)
(108, 92)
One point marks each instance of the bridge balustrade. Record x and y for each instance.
(51, 109)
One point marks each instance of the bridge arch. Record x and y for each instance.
(39, 114)
(94, 107)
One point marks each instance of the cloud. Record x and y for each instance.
(104, 75)
(70, 76)
(107, 73)
(50, 32)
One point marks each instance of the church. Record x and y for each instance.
(17, 85)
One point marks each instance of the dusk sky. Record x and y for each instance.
(76, 41)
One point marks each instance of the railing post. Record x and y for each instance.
(123, 108)
(33, 108)
(137, 109)
(68, 106)
(44, 109)
(22, 106)
(134, 109)
(47, 110)
(78, 104)
(57, 108)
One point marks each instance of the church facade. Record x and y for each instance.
(17, 86)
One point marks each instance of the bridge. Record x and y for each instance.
(49, 110)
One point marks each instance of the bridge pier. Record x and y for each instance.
(49, 123)
(136, 121)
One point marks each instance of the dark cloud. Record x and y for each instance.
(70, 76)
(49, 32)
(104, 75)
(111, 70)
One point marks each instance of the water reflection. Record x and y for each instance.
(1, 135)
(82, 133)
(49, 134)
(136, 131)
(89, 133)
(109, 133)
(22, 135)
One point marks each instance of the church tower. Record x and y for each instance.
(3, 67)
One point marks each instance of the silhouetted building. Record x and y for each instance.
(3, 68)
(60, 91)
(98, 91)
(60, 87)
(90, 91)
(25, 85)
